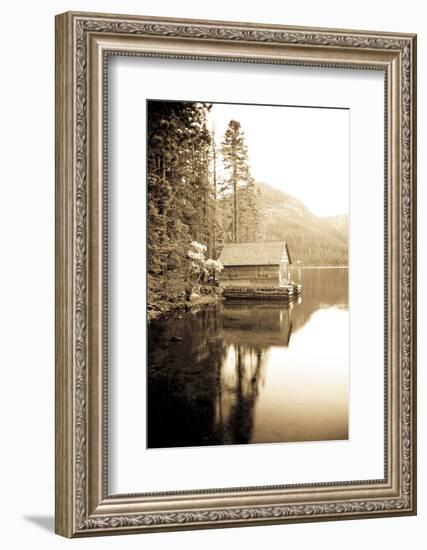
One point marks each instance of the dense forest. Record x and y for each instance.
(193, 208)
(201, 194)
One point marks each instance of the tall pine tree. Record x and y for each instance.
(235, 159)
(239, 198)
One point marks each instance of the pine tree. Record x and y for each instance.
(235, 159)
(249, 213)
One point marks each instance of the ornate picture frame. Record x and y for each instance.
(84, 42)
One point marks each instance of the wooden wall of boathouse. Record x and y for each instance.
(247, 276)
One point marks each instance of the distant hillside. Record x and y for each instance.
(311, 239)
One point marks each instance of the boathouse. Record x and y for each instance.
(255, 265)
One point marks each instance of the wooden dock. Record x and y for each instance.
(285, 293)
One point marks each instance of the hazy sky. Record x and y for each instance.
(301, 151)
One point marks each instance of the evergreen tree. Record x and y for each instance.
(250, 223)
(239, 206)
(236, 167)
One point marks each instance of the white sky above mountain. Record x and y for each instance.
(301, 151)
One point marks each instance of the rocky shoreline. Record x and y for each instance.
(164, 309)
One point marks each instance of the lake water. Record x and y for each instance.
(253, 372)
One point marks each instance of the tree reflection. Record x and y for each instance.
(237, 393)
(206, 368)
(203, 391)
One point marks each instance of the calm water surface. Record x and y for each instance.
(253, 372)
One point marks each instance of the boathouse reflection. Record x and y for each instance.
(213, 384)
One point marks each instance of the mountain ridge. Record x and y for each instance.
(313, 240)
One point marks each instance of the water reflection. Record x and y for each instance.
(252, 372)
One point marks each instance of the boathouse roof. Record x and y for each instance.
(257, 253)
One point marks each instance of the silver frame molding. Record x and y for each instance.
(83, 43)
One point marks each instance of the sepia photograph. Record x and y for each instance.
(247, 239)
